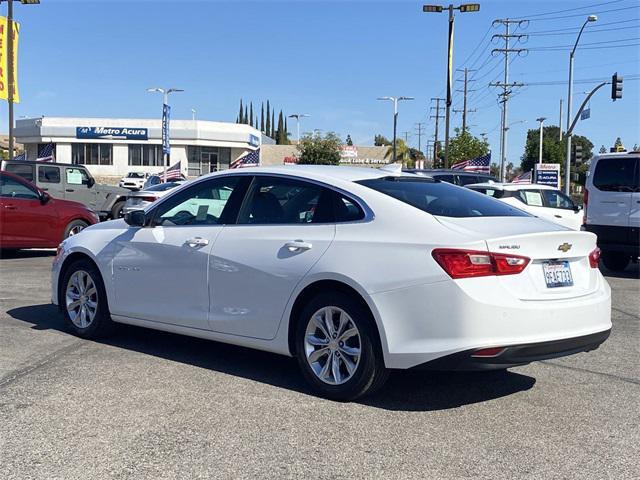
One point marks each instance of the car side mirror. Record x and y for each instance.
(44, 198)
(91, 182)
(577, 208)
(136, 218)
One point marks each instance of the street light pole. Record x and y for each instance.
(541, 120)
(11, 68)
(165, 102)
(468, 7)
(395, 101)
(567, 164)
(298, 116)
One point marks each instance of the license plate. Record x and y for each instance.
(557, 274)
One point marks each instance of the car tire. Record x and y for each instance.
(615, 261)
(74, 228)
(81, 289)
(116, 210)
(353, 331)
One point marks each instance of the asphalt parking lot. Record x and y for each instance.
(146, 404)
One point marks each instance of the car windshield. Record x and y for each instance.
(441, 198)
(135, 175)
(162, 187)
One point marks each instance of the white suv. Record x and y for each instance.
(134, 180)
(612, 207)
(542, 201)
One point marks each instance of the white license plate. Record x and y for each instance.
(557, 274)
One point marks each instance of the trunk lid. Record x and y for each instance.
(549, 247)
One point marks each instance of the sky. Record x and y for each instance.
(329, 59)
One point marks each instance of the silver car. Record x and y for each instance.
(140, 199)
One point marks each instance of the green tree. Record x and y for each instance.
(246, 115)
(464, 146)
(381, 141)
(241, 114)
(262, 118)
(316, 149)
(273, 125)
(618, 144)
(286, 131)
(280, 130)
(267, 129)
(603, 149)
(553, 150)
(349, 141)
(251, 114)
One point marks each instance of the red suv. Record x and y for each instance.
(31, 218)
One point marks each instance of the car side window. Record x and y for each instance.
(467, 179)
(444, 178)
(345, 209)
(557, 199)
(76, 176)
(48, 174)
(617, 175)
(10, 188)
(276, 200)
(533, 198)
(202, 204)
(24, 171)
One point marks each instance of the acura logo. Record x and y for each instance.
(565, 247)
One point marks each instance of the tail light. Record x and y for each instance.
(585, 200)
(594, 258)
(147, 199)
(471, 263)
(488, 352)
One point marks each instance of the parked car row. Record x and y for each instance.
(353, 271)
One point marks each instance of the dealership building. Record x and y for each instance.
(111, 147)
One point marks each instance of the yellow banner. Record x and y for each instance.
(4, 63)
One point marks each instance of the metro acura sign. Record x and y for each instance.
(112, 133)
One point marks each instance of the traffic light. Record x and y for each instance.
(616, 87)
(577, 154)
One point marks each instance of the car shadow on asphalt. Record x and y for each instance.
(404, 391)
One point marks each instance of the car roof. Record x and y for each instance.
(511, 186)
(325, 173)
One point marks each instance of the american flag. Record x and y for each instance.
(478, 164)
(173, 173)
(251, 159)
(45, 153)
(523, 178)
(22, 156)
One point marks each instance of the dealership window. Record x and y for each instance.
(145, 155)
(92, 154)
(207, 159)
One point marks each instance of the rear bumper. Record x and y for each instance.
(515, 355)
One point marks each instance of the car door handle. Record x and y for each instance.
(10, 207)
(297, 246)
(197, 242)
(558, 216)
(69, 190)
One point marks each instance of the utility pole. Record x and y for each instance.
(541, 120)
(465, 90)
(419, 131)
(437, 117)
(505, 85)
(560, 122)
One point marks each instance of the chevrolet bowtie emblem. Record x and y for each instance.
(565, 247)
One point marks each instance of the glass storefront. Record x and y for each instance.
(207, 159)
(145, 155)
(91, 154)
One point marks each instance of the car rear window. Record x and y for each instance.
(24, 171)
(441, 198)
(620, 174)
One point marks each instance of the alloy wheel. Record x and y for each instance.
(332, 345)
(81, 298)
(76, 230)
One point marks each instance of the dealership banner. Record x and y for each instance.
(4, 63)
(166, 116)
(112, 133)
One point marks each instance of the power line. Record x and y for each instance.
(570, 9)
(586, 44)
(551, 49)
(618, 22)
(573, 32)
(578, 14)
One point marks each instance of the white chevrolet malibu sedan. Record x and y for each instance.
(353, 271)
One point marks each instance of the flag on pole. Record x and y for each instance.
(478, 164)
(523, 178)
(45, 153)
(174, 172)
(251, 159)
